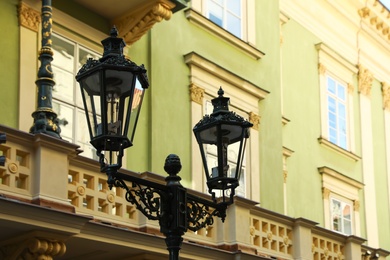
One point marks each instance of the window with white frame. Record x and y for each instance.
(336, 95)
(337, 110)
(206, 78)
(341, 201)
(227, 14)
(341, 215)
(69, 56)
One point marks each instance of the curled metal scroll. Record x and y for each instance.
(148, 200)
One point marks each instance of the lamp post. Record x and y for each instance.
(112, 91)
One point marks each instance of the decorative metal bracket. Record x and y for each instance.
(170, 204)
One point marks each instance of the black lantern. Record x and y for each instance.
(224, 134)
(112, 90)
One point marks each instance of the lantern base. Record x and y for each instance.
(111, 143)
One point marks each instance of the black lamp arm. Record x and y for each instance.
(154, 199)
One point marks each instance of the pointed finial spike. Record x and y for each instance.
(220, 92)
(114, 32)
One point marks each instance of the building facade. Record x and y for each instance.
(311, 77)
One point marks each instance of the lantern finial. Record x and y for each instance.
(114, 32)
(221, 103)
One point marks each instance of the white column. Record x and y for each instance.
(368, 171)
(387, 140)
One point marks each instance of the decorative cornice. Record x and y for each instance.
(197, 94)
(378, 17)
(386, 96)
(134, 25)
(365, 81)
(29, 17)
(255, 120)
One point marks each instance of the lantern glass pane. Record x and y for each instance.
(233, 161)
(119, 82)
(135, 108)
(91, 97)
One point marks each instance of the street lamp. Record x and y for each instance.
(112, 91)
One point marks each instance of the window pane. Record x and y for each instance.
(216, 13)
(65, 116)
(341, 92)
(332, 104)
(63, 53)
(63, 89)
(234, 25)
(331, 85)
(234, 7)
(62, 66)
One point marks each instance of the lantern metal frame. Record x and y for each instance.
(115, 85)
(172, 205)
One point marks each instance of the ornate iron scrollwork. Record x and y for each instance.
(146, 199)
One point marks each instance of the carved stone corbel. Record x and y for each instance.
(34, 248)
(365, 81)
(255, 120)
(197, 94)
(386, 96)
(134, 25)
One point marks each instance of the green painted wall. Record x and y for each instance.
(300, 80)
(270, 129)
(301, 105)
(380, 171)
(9, 58)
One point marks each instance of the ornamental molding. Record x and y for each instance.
(35, 248)
(351, 88)
(325, 193)
(321, 69)
(386, 96)
(197, 94)
(28, 17)
(134, 25)
(365, 78)
(356, 205)
(255, 120)
(377, 17)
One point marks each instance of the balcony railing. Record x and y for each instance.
(49, 172)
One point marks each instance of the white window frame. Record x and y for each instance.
(336, 185)
(74, 103)
(332, 65)
(248, 24)
(208, 77)
(225, 13)
(344, 202)
(342, 134)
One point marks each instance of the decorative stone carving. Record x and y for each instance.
(35, 248)
(386, 96)
(28, 17)
(351, 88)
(325, 193)
(255, 120)
(321, 69)
(197, 94)
(356, 205)
(365, 81)
(134, 25)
